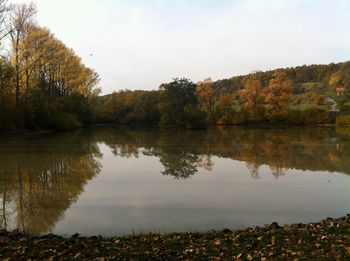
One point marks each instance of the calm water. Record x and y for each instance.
(120, 181)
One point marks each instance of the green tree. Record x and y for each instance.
(179, 105)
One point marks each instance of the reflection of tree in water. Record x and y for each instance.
(43, 179)
(205, 162)
(298, 148)
(253, 168)
(279, 148)
(277, 172)
(178, 161)
(180, 165)
(126, 151)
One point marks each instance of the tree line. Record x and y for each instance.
(279, 148)
(300, 95)
(43, 83)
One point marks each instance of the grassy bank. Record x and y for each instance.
(325, 240)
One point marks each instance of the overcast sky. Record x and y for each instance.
(139, 44)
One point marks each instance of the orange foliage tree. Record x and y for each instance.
(226, 108)
(279, 95)
(253, 97)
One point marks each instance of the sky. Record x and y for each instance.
(139, 44)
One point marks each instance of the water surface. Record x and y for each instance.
(119, 181)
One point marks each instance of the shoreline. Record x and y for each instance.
(25, 132)
(29, 132)
(328, 239)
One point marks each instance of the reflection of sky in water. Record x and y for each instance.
(72, 182)
(131, 195)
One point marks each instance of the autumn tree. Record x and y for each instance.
(21, 16)
(205, 92)
(5, 28)
(253, 97)
(6, 72)
(279, 95)
(4, 31)
(53, 72)
(226, 109)
(341, 78)
(43, 83)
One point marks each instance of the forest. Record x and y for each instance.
(314, 94)
(45, 85)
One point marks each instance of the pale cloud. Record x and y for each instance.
(140, 44)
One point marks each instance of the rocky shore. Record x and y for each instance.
(325, 240)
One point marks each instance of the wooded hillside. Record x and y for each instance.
(45, 85)
(313, 94)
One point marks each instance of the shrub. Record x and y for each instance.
(343, 120)
(346, 107)
(309, 116)
(66, 121)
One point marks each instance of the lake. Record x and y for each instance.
(118, 181)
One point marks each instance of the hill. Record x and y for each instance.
(305, 94)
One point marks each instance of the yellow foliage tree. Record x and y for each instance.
(206, 97)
